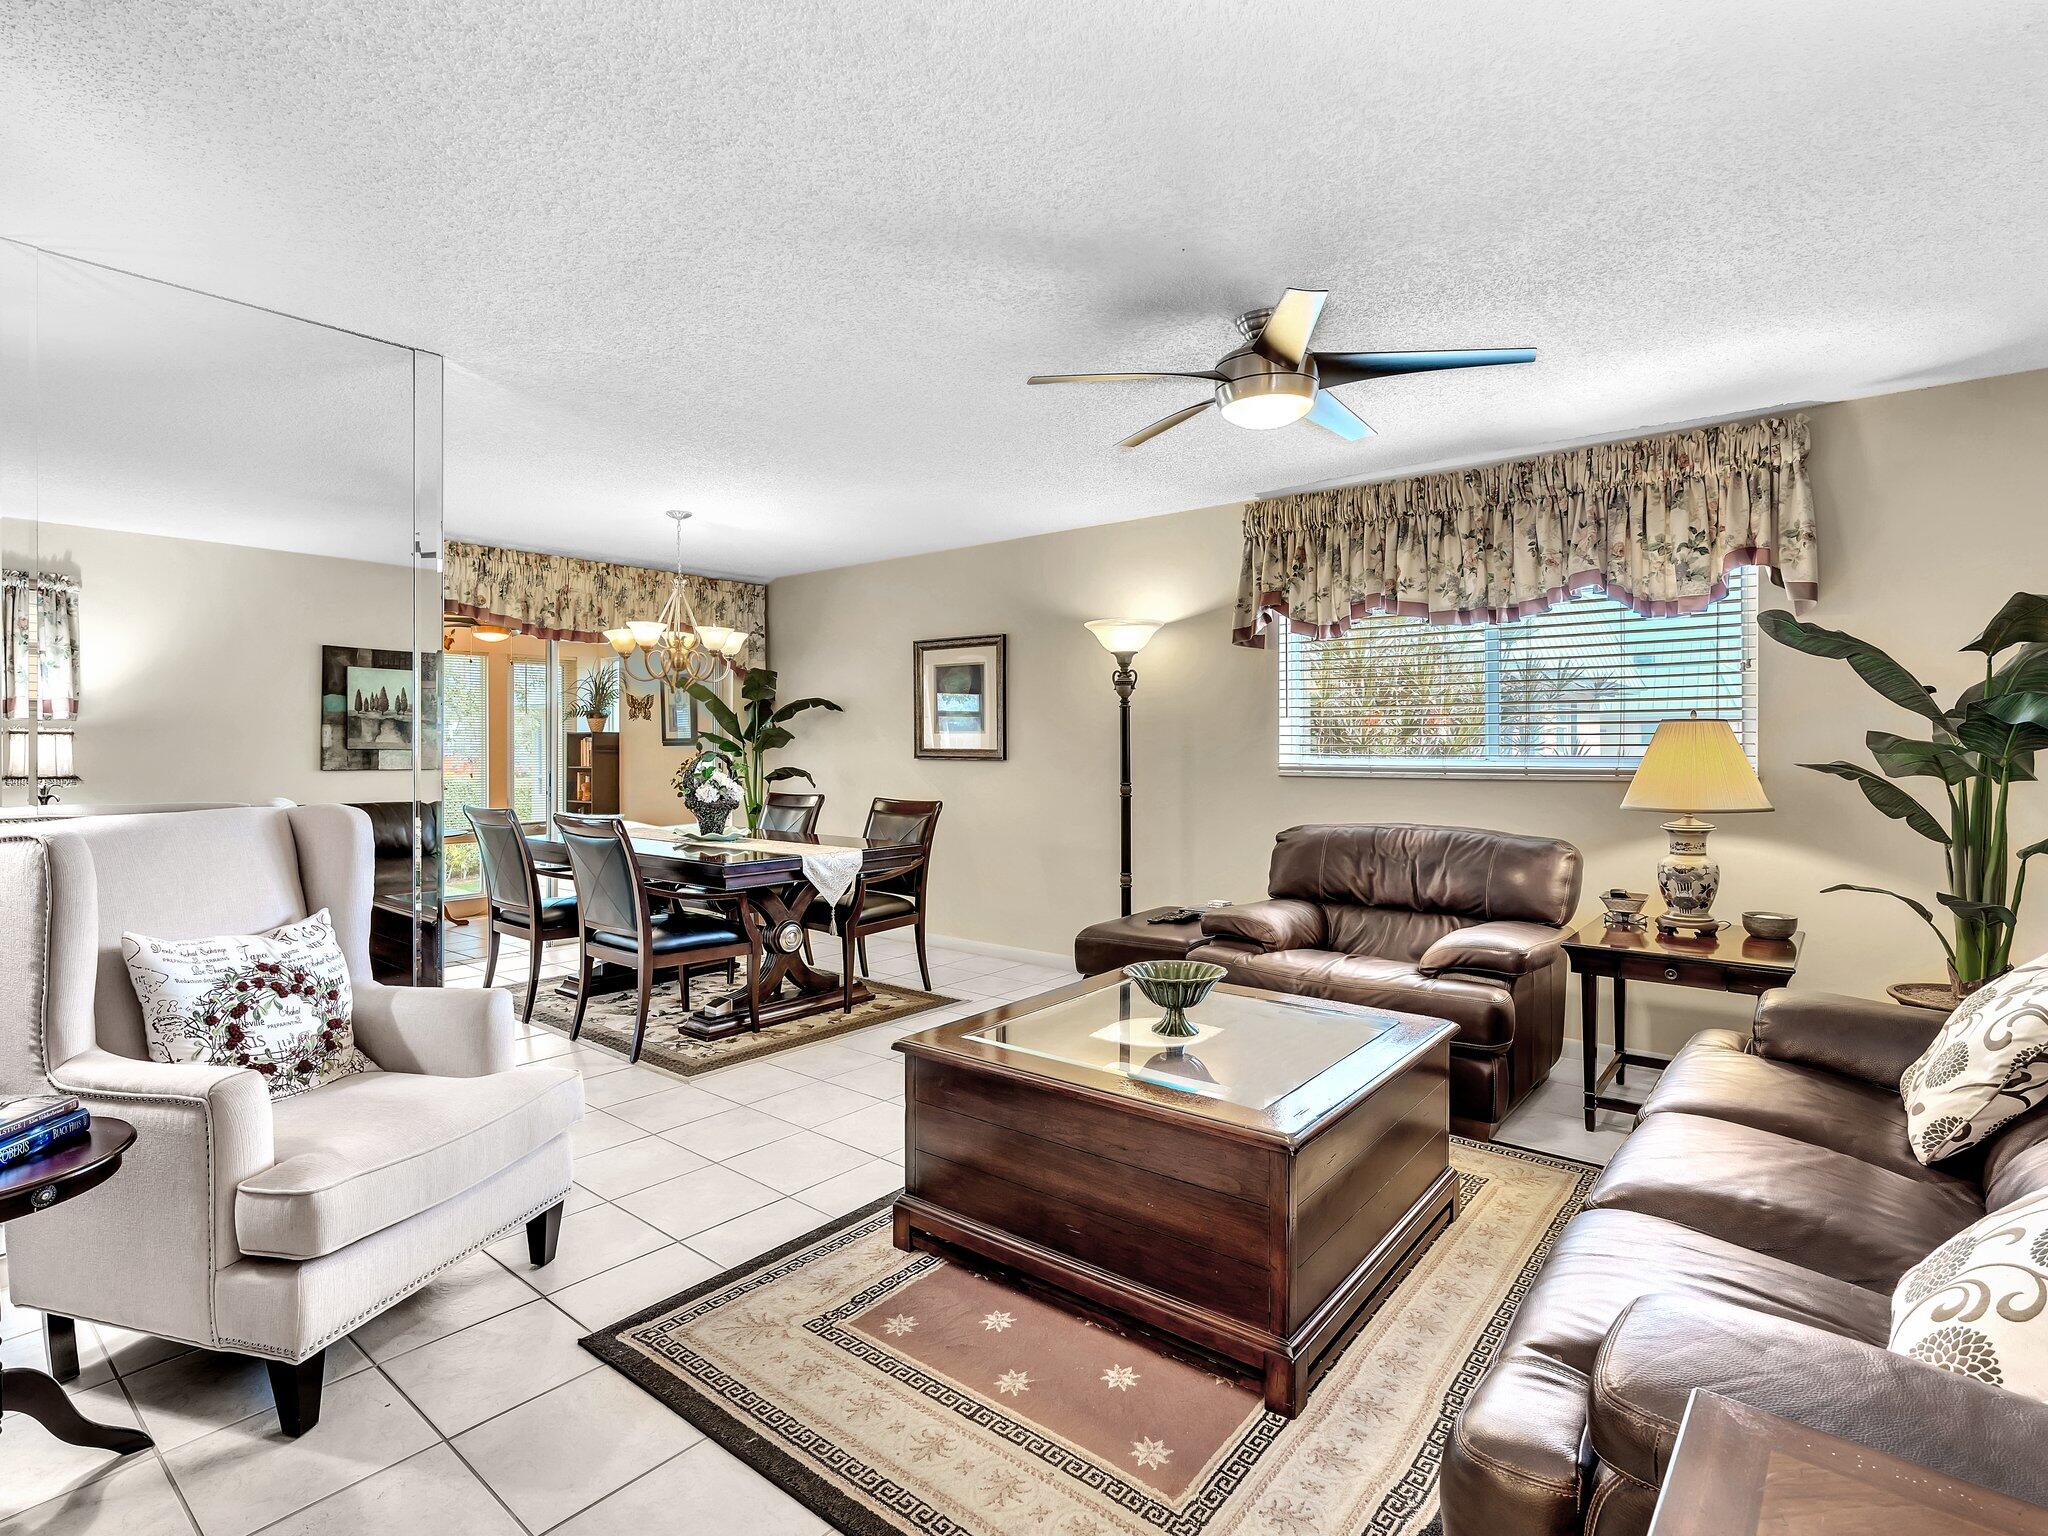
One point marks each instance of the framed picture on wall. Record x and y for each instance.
(678, 717)
(960, 698)
(368, 715)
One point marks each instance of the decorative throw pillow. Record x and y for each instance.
(277, 1003)
(1988, 1063)
(1978, 1304)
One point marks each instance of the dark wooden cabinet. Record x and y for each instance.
(590, 773)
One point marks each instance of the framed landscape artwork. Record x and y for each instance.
(960, 698)
(368, 715)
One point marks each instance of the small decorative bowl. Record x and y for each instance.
(1624, 908)
(1176, 986)
(1770, 925)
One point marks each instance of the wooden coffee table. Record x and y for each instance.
(1256, 1191)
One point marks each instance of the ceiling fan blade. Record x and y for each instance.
(1349, 367)
(1287, 330)
(1333, 415)
(1163, 424)
(1117, 378)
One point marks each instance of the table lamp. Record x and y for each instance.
(1692, 765)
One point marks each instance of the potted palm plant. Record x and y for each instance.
(597, 695)
(753, 730)
(1976, 748)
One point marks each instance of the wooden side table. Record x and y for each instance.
(1739, 1471)
(1728, 961)
(59, 1175)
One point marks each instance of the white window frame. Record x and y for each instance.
(1744, 590)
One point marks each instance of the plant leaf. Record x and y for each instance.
(758, 683)
(1903, 757)
(772, 738)
(724, 744)
(2025, 672)
(1988, 913)
(1926, 916)
(2023, 618)
(800, 706)
(2006, 728)
(1872, 665)
(779, 774)
(2031, 849)
(718, 709)
(1888, 798)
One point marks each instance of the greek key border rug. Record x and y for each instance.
(608, 1022)
(898, 1393)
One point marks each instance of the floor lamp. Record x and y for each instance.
(1123, 639)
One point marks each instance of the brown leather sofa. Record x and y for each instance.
(1460, 923)
(1746, 1238)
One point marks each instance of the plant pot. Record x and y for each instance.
(1938, 996)
(711, 823)
(595, 722)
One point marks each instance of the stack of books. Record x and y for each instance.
(31, 1126)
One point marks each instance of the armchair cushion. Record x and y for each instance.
(369, 1151)
(1663, 1346)
(1857, 1037)
(1484, 1011)
(1279, 923)
(1498, 949)
(451, 1032)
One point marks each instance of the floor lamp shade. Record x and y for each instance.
(1692, 766)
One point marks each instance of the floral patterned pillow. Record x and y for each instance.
(1987, 1064)
(1978, 1304)
(277, 1003)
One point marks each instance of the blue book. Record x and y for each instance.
(20, 1148)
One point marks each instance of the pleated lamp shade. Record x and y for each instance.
(1695, 765)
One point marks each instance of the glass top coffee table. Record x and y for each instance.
(1255, 1190)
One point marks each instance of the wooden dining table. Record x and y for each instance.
(763, 876)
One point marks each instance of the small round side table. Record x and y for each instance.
(33, 1186)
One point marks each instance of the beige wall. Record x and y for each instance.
(1931, 516)
(200, 665)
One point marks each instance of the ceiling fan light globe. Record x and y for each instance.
(1263, 401)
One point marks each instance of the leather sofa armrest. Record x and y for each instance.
(436, 1032)
(1494, 949)
(1854, 1036)
(1663, 1346)
(1280, 922)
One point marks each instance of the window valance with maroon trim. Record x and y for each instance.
(1656, 523)
(559, 597)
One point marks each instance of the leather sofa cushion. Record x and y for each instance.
(1483, 1011)
(1805, 1205)
(1474, 873)
(366, 1152)
(1713, 1075)
(2016, 1160)
(1120, 941)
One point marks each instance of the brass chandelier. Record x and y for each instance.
(672, 647)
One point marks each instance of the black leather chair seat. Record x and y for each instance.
(675, 931)
(878, 907)
(557, 914)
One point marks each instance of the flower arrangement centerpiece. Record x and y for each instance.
(709, 788)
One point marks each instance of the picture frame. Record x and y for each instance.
(678, 717)
(369, 719)
(960, 692)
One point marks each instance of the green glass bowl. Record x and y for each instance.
(1176, 986)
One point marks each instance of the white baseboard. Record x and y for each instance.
(1008, 952)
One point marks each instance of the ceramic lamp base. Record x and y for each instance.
(1687, 879)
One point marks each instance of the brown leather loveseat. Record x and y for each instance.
(1746, 1238)
(1460, 923)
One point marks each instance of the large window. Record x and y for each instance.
(465, 768)
(531, 758)
(1577, 690)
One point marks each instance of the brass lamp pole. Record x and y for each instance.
(1123, 639)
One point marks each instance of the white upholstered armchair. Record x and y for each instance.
(235, 1223)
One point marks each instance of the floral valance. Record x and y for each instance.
(39, 635)
(1656, 523)
(558, 597)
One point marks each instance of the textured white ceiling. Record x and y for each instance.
(788, 264)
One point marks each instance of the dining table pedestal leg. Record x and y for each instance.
(791, 987)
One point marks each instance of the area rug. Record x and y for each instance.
(608, 1021)
(892, 1392)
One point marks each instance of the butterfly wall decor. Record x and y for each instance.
(639, 706)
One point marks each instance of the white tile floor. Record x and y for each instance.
(469, 1407)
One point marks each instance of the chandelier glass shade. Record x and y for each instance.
(672, 647)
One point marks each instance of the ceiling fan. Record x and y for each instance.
(1274, 379)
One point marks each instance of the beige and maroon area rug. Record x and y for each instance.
(893, 1392)
(608, 1021)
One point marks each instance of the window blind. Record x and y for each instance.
(1573, 691)
(530, 756)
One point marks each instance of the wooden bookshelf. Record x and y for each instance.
(590, 773)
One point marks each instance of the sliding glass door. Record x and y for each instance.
(465, 768)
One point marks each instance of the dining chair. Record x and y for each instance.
(791, 813)
(892, 901)
(512, 889)
(618, 923)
